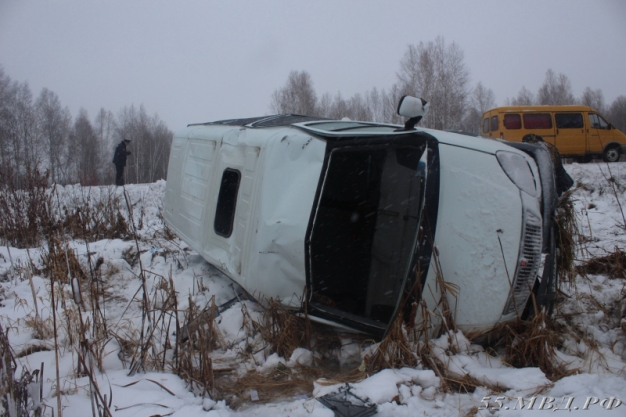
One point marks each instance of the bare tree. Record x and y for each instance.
(617, 113)
(42, 133)
(359, 108)
(54, 125)
(28, 135)
(524, 98)
(150, 144)
(84, 151)
(480, 100)
(338, 109)
(324, 104)
(297, 96)
(19, 139)
(555, 90)
(390, 99)
(593, 99)
(104, 126)
(8, 123)
(436, 72)
(375, 104)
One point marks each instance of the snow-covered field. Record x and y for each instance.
(591, 319)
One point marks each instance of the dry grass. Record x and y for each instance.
(394, 351)
(194, 345)
(613, 264)
(19, 397)
(24, 207)
(94, 219)
(566, 232)
(61, 261)
(279, 383)
(30, 210)
(531, 343)
(407, 344)
(282, 330)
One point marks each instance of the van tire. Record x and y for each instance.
(611, 154)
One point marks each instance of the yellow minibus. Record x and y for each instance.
(578, 132)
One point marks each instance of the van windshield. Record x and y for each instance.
(364, 231)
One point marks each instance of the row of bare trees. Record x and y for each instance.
(557, 89)
(433, 70)
(41, 133)
(437, 72)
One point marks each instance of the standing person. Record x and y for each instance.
(119, 159)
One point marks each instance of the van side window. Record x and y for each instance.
(597, 122)
(569, 120)
(537, 121)
(227, 202)
(486, 125)
(494, 123)
(512, 121)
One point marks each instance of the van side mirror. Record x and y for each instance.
(414, 108)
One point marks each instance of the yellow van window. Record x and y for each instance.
(537, 121)
(569, 120)
(512, 121)
(597, 122)
(486, 125)
(494, 123)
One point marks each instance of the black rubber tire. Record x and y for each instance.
(611, 154)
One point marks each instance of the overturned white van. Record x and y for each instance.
(347, 218)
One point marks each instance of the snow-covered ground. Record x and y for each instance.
(591, 314)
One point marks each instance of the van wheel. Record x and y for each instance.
(611, 154)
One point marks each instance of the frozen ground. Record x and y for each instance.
(592, 314)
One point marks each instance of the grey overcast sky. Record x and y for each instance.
(196, 61)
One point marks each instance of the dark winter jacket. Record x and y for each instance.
(119, 158)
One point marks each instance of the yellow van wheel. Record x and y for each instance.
(611, 154)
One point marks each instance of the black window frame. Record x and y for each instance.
(227, 203)
(567, 120)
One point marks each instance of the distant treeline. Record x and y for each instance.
(41, 133)
(436, 72)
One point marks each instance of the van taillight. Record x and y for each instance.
(501, 135)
